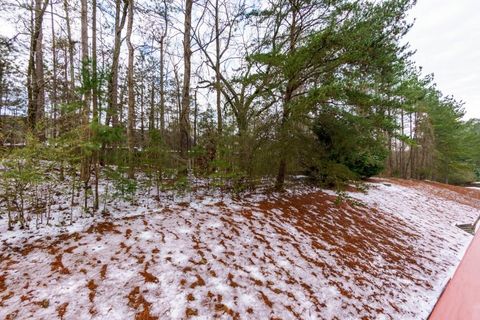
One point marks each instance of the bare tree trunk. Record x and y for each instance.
(65, 99)
(185, 111)
(151, 116)
(142, 114)
(122, 100)
(85, 62)
(288, 95)
(412, 149)
(178, 96)
(152, 111)
(94, 63)
(162, 87)
(112, 112)
(40, 100)
(85, 165)
(402, 144)
(131, 95)
(217, 69)
(54, 80)
(390, 149)
(3, 91)
(162, 70)
(96, 118)
(195, 117)
(70, 51)
(36, 82)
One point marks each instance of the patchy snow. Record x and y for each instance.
(299, 255)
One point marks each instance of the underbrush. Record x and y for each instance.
(46, 186)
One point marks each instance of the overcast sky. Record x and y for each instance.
(446, 36)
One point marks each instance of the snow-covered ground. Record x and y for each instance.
(300, 255)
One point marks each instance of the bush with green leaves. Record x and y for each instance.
(155, 161)
(182, 185)
(348, 148)
(124, 188)
(22, 172)
(228, 176)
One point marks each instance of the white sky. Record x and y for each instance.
(446, 36)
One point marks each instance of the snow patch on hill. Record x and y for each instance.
(300, 255)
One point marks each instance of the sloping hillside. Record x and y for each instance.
(302, 255)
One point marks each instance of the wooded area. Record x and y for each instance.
(239, 93)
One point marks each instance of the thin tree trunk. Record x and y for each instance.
(31, 81)
(85, 165)
(54, 80)
(96, 119)
(151, 116)
(185, 111)
(178, 96)
(70, 51)
(162, 87)
(195, 116)
(162, 69)
(142, 114)
(217, 69)
(390, 149)
(121, 115)
(131, 95)
(402, 144)
(412, 148)
(152, 111)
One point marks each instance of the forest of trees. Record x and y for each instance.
(240, 93)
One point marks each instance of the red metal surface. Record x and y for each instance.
(461, 298)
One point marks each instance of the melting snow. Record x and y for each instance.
(382, 255)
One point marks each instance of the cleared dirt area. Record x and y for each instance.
(300, 255)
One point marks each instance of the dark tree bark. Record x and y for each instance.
(292, 85)
(131, 94)
(162, 86)
(95, 112)
(85, 165)
(120, 17)
(55, 75)
(71, 45)
(36, 81)
(217, 69)
(185, 110)
(162, 69)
